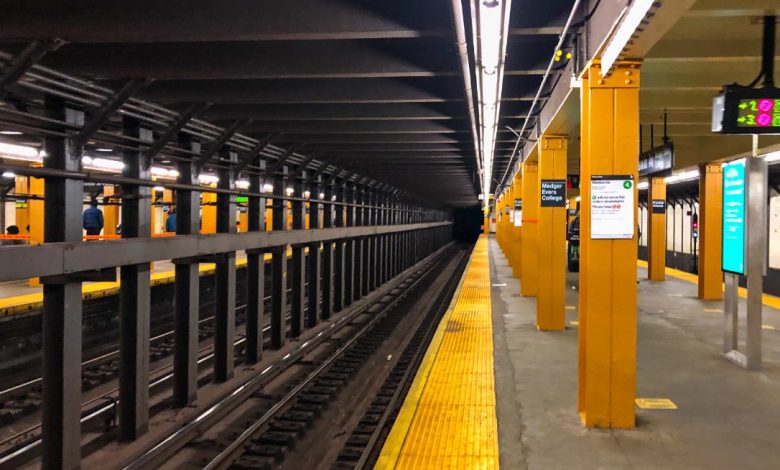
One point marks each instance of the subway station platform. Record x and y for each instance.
(18, 297)
(695, 410)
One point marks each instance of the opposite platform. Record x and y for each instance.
(448, 419)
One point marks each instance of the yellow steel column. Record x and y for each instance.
(208, 210)
(22, 208)
(551, 295)
(710, 231)
(656, 230)
(530, 273)
(110, 210)
(610, 132)
(517, 231)
(36, 187)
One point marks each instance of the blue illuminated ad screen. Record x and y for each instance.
(734, 202)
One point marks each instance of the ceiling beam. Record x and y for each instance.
(227, 20)
(251, 60)
(347, 91)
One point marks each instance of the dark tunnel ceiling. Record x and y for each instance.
(375, 83)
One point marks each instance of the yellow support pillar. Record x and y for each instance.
(607, 328)
(529, 267)
(22, 208)
(510, 230)
(710, 231)
(517, 231)
(110, 210)
(656, 226)
(208, 217)
(551, 295)
(35, 213)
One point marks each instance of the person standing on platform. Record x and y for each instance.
(93, 219)
(170, 222)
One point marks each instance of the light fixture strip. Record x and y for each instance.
(492, 28)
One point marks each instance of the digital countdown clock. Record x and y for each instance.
(743, 110)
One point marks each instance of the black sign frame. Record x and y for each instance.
(557, 198)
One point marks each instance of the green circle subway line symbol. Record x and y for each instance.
(627, 184)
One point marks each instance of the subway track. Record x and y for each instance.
(265, 430)
(20, 395)
(23, 400)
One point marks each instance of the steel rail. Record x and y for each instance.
(172, 443)
(224, 458)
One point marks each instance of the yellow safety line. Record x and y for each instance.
(448, 419)
(767, 299)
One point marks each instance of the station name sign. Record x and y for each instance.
(743, 110)
(657, 161)
(552, 193)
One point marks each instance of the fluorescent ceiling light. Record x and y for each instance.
(9, 174)
(643, 185)
(626, 29)
(322, 195)
(772, 157)
(10, 133)
(289, 191)
(104, 150)
(267, 188)
(307, 194)
(683, 176)
(333, 198)
(159, 188)
(242, 184)
(20, 152)
(208, 179)
(490, 28)
(164, 172)
(102, 164)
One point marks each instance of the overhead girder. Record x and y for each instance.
(149, 21)
(256, 60)
(301, 91)
(336, 111)
(358, 127)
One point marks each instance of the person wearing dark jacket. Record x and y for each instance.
(170, 222)
(93, 219)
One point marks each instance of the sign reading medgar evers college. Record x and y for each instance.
(733, 255)
(553, 193)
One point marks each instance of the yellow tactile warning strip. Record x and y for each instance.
(767, 299)
(448, 420)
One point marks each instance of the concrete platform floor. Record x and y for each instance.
(727, 418)
(21, 287)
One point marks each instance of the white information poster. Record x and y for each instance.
(518, 212)
(612, 207)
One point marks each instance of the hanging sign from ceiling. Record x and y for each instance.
(657, 161)
(743, 110)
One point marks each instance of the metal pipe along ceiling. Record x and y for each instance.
(561, 38)
(460, 34)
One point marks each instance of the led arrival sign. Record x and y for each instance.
(734, 205)
(758, 112)
(742, 110)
